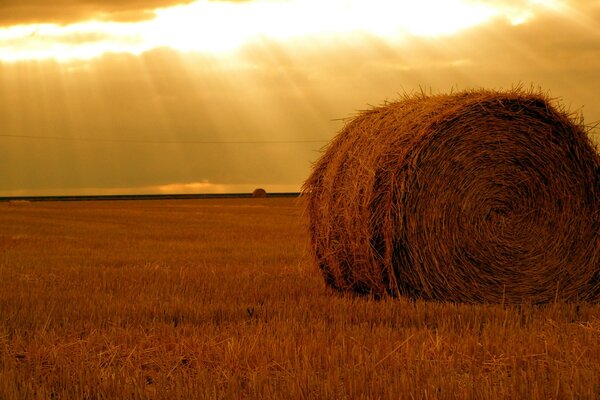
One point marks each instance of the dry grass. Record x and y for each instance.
(216, 299)
(19, 203)
(477, 196)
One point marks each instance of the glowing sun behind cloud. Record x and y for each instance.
(211, 95)
(223, 26)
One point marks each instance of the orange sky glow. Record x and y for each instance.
(169, 96)
(215, 27)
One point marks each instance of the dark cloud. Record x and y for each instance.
(14, 12)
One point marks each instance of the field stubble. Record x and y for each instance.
(219, 299)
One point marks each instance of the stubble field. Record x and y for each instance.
(218, 298)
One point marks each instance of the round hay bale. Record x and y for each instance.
(259, 193)
(477, 196)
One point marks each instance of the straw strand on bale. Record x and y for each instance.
(477, 196)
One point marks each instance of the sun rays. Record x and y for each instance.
(230, 92)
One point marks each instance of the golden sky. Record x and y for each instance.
(138, 96)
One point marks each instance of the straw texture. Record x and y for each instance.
(477, 196)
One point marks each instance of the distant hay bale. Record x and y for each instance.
(477, 196)
(259, 193)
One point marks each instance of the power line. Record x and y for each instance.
(141, 141)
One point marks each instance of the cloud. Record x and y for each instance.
(268, 90)
(14, 12)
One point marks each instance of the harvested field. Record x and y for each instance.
(214, 299)
(476, 196)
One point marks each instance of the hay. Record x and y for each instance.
(477, 196)
(19, 203)
(259, 193)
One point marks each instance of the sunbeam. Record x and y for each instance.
(211, 95)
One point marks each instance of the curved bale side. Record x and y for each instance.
(478, 196)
